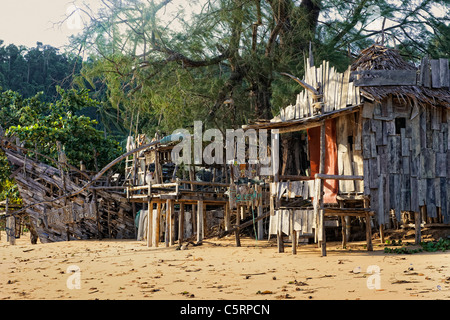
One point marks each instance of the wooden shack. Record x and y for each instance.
(377, 147)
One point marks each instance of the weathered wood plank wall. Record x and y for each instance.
(406, 158)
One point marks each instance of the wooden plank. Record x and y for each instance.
(441, 165)
(381, 204)
(444, 192)
(366, 146)
(444, 73)
(382, 159)
(430, 200)
(344, 91)
(386, 78)
(358, 170)
(367, 110)
(374, 173)
(394, 151)
(422, 191)
(358, 128)
(427, 167)
(425, 72)
(331, 89)
(373, 145)
(377, 128)
(325, 82)
(435, 74)
(405, 143)
(397, 196)
(405, 193)
(414, 192)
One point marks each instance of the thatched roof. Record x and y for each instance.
(377, 57)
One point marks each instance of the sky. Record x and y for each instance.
(25, 22)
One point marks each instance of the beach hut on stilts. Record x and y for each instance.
(370, 143)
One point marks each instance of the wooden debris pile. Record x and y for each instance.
(96, 212)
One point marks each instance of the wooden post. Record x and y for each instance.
(109, 220)
(10, 225)
(97, 215)
(344, 227)
(227, 216)
(280, 240)
(382, 233)
(181, 224)
(155, 227)
(344, 231)
(319, 194)
(133, 207)
(200, 220)
(149, 223)
(238, 222)
(167, 224)
(293, 233)
(418, 221)
(368, 228)
(260, 223)
(172, 223)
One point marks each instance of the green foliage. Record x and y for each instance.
(427, 246)
(28, 71)
(40, 125)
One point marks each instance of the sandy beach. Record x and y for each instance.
(129, 270)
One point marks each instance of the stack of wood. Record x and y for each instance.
(96, 212)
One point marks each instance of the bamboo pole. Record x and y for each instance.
(200, 220)
(320, 203)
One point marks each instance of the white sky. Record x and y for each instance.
(25, 22)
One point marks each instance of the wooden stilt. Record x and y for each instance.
(167, 224)
(10, 226)
(150, 224)
(344, 231)
(260, 223)
(181, 225)
(368, 228)
(293, 234)
(382, 233)
(238, 222)
(280, 240)
(200, 220)
(227, 216)
(171, 222)
(319, 192)
(418, 221)
(156, 223)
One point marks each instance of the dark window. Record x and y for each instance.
(399, 124)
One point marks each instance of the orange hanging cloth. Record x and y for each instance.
(330, 187)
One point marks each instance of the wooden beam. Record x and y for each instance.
(337, 177)
(302, 83)
(385, 78)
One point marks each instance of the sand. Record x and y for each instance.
(129, 270)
